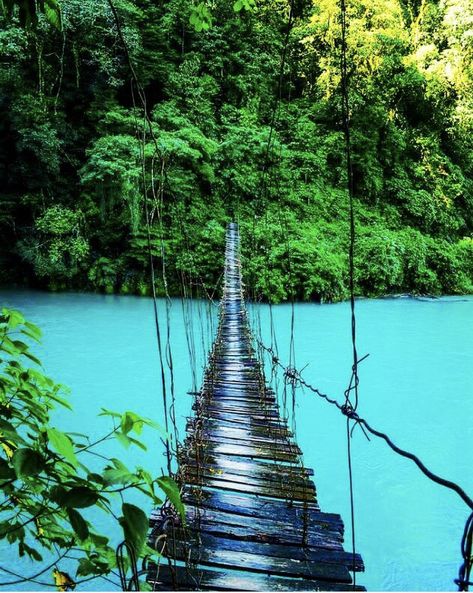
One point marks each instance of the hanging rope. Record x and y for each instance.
(260, 202)
(463, 580)
(354, 380)
(133, 584)
(350, 412)
(266, 180)
(142, 136)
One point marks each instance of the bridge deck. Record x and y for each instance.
(253, 522)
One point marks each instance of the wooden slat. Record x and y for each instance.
(209, 556)
(267, 530)
(195, 539)
(244, 451)
(232, 580)
(255, 466)
(259, 490)
(280, 446)
(276, 429)
(273, 474)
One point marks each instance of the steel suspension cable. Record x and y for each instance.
(354, 381)
(463, 580)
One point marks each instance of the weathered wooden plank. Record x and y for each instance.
(279, 429)
(233, 400)
(325, 571)
(192, 537)
(272, 446)
(230, 396)
(261, 508)
(242, 451)
(267, 530)
(255, 466)
(274, 473)
(244, 420)
(259, 490)
(261, 436)
(247, 412)
(186, 579)
(237, 483)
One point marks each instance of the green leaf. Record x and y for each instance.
(8, 430)
(27, 462)
(15, 318)
(60, 400)
(118, 476)
(99, 540)
(106, 412)
(126, 423)
(52, 12)
(32, 553)
(171, 489)
(80, 497)
(138, 443)
(85, 568)
(78, 523)
(62, 444)
(20, 346)
(135, 526)
(57, 494)
(32, 357)
(33, 330)
(123, 439)
(97, 478)
(6, 472)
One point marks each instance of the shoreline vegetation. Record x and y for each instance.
(79, 170)
(202, 296)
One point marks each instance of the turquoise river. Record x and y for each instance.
(416, 385)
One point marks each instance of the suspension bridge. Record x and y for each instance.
(252, 518)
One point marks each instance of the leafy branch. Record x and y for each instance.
(43, 479)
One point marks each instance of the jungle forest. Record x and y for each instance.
(164, 163)
(223, 110)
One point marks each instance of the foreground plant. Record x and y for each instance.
(45, 481)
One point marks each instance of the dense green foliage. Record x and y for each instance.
(73, 146)
(50, 479)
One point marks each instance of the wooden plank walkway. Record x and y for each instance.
(253, 522)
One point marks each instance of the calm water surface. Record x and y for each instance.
(417, 385)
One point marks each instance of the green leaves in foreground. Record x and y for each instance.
(78, 523)
(27, 462)
(44, 478)
(171, 489)
(201, 17)
(135, 526)
(62, 444)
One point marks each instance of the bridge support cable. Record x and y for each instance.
(154, 182)
(463, 580)
(354, 380)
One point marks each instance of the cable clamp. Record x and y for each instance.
(348, 411)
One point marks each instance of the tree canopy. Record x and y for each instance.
(228, 133)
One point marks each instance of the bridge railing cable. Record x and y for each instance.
(295, 376)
